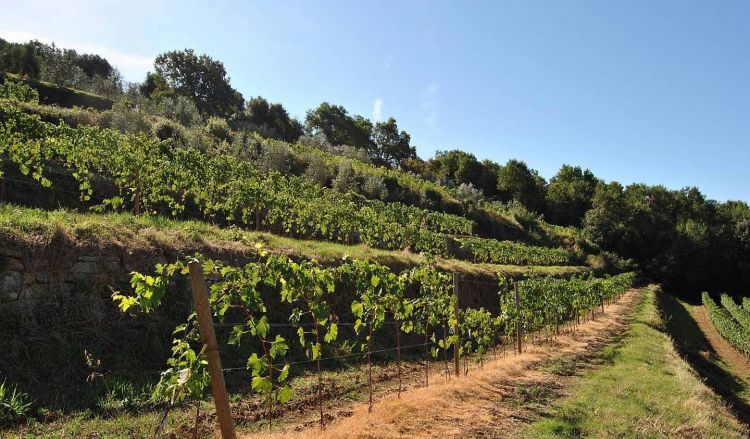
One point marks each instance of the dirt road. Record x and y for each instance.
(494, 401)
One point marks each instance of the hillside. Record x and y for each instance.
(177, 259)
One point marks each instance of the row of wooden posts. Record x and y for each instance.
(215, 371)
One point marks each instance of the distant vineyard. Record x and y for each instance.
(153, 175)
(729, 328)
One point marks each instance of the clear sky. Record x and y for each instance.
(638, 91)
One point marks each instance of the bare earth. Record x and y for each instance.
(497, 400)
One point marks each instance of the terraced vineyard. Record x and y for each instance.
(152, 176)
(730, 321)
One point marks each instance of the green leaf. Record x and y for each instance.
(285, 394)
(284, 373)
(333, 332)
(278, 347)
(357, 309)
(261, 384)
(262, 327)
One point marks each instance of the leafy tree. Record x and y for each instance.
(200, 78)
(270, 120)
(19, 58)
(338, 126)
(606, 221)
(516, 181)
(569, 195)
(94, 65)
(391, 147)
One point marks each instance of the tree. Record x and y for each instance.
(606, 221)
(19, 58)
(270, 120)
(338, 126)
(569, 195)
(516, 181)
(94, 65)
(200, 78)
(391, 147)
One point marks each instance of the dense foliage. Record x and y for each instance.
(379, 294)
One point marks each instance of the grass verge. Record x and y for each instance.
(645, 389)
(35, 227)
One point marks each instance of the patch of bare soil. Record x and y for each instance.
(492, 401)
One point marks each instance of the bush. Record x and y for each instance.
(345, 180)
(276, 157)
(180, 109)
(317, 141)
(219, 129)
(166, 129)
(14, 404)
(127, 117)
(317, 171)
(469, 195)
(18, 91)
(374, 187)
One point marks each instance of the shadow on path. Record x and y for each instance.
(693, 345)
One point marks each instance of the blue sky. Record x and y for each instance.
(637, 91)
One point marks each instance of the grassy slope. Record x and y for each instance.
(36, 226)
(646, 390)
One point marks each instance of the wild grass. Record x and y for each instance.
(645, 390)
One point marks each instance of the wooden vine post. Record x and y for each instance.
(456, 328)
(206, 329)
(518, 320)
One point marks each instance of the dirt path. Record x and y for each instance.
(494, 401)
(738, 363)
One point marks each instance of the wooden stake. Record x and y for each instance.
(398, 355)
(518, 320)
(426, 355)
(456, 329)
(206, 329)
(369, 364)
(320, 376)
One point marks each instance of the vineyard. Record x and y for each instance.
(152, 176)
(732, 321)
(420, 301)
(177, 260)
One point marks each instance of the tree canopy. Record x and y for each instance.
(200, 78)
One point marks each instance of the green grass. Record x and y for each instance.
(37, 226)
(644, 390)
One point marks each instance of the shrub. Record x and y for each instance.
(276, 157)
(166, 129)
(219, 129)
(374, 186)
(180, 109)
(127, 117)
(345, 180)
(317, 171)
(18, 91)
